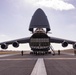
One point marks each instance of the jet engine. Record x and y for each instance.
(15, 44)
(64, 44)
(74, 46)
(4, 46)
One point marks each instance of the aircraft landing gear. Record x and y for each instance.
(40, 52)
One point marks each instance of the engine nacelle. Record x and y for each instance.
(4, 46)
(74, 46)
(64, 44)
(15, 44)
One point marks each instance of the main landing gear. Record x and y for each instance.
(40, 52)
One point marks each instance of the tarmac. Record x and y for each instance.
(64, 64)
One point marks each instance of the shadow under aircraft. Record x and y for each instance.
(39, 42)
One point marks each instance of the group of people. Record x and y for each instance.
(58, 52)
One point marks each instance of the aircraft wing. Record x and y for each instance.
(22, 40)
(64, 42)
(59, 40)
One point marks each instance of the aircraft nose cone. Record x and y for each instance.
(39, 20)
(39, 12)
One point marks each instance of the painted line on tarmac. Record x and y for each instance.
(5, 55)
(60, 58)
(39, 68)
(39, 59)
(12, 59)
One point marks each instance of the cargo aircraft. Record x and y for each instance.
(39, 41)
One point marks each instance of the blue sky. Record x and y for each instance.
(15, 16)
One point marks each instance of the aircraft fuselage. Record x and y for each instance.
(40, 41)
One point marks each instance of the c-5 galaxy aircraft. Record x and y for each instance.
(39, 41)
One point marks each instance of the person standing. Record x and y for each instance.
(58, 52)
(22, 53)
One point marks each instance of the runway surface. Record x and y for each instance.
(64, 64)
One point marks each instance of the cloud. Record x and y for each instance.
(54, 4)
